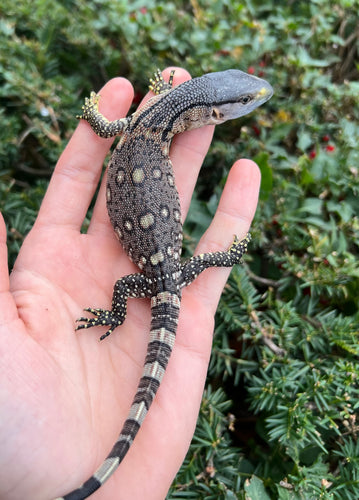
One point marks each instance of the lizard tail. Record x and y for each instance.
(165, 310)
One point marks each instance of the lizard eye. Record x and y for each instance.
(245, 99)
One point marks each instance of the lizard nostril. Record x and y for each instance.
(216, 114)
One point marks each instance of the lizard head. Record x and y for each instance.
(233, 93)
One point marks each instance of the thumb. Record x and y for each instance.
(8, 309)
(4, 272)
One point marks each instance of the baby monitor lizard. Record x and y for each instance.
(144, 210)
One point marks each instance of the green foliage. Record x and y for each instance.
(285, 349)
(211, 454)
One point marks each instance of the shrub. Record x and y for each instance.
(278, 418)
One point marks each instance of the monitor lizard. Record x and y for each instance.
(144, 210)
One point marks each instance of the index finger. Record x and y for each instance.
(188, 150)
(78, 170)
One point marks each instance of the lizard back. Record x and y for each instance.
(143, 203)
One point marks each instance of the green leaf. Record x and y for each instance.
(305, 140)
(262, 160)
(255, 489)
(288, 494)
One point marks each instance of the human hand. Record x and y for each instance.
(64, 396)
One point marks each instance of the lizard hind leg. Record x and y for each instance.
(132, 285)
(197, 264)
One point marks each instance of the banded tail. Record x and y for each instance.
(165, 310)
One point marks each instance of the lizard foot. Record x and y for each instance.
(90, 108)
(102, 317)
(158, 85)
(239, 247)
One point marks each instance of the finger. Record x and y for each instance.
(187, 153)
(8, 310)
(234, 215)
(4, 273)
(187, 150)
(77, 173)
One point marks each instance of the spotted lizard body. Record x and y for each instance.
(144, 209)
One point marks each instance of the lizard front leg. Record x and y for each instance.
(99, 123)
(132, 285)
(158, 85)
(197, 264)
(105, 128)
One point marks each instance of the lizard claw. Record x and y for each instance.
(102, 317)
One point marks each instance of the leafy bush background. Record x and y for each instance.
(279, 414)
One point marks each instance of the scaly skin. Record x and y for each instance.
(144, 209)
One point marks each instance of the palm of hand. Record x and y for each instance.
(64, 396)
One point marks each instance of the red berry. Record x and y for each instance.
(312, 154)
(256, 130)
(330, 148)
(251, 70)
(137, 97)
(223, 52)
